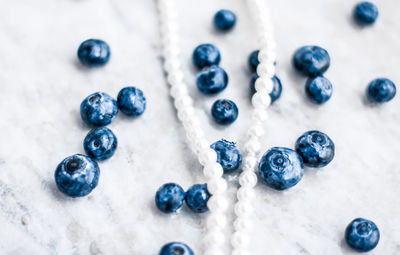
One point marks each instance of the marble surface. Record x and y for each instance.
(43, 84)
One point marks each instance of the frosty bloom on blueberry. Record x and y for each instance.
(362, 235)
(94, 53)
(176, 248)
(131, 101)
(100, 143)
(98, 109)
(228, 155)
(224, 20)
(169, 197)
(212, 80)
(224, 111)
(197, 197)
(206, 55)
(311, 60)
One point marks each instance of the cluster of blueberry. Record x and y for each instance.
(78, 175)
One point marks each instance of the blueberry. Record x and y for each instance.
(99, 109)
(276, 91)
(224, 111)
(169, 197)
(206, 55)
(381, 90)
(176, 248)
(311, 60)
(365, 13)
(131, 101)
(212, 80)
(77, 175)
(315, 148)
(224, 20)
(228, 155)
(197, 197)
(362, 235)
(281, 168)
(93, 53)
(318, 89)
(253, 60)
(100, 143)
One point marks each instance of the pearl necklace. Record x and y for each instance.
(216, 221)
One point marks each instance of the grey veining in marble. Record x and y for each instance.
(42, 85)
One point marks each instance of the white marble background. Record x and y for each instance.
(42, 85)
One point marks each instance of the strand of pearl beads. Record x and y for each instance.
(216, 220)
(260, 101)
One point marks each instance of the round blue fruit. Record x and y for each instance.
(253, 60)
(206, 55)
(315, 148)
(197, 197)
(224, 111)
(77, 175)
(228, 155)
(212, 80)
(94, 53)
(224, 20)
(131, 101)
(362, 235)
(176, 248)
(318, 89)
(311, 60)
(381, 90)
(365, 13)
(100, 143)
(276, 90)
(281, 168)
(169, 197)
(99, 109)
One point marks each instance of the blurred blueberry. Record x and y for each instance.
(381, 90)
(253, 60)
(197, 197)
(276, 91)
(169, 197)
(77, 175)
(281, 168)
(365, 13)
(228, 155)
(224, 20)
(100, 143)
(362, 235)
(318, 89)
(94, 53)
(311, 60)
(206, 55)
(131, 101)
(98, 109)
(212, 80)
(224, 111)
(176, 248)
(315, 148)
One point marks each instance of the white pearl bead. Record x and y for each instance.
(260, 100)
(207, 156)
(264, 84)
(216, 221)
(245, 193)
(217, 186)
(240, 252)
(243, 224)
(252, 145)
(243, 208)
(185, 113)
(183, 101)
(259, 114)
(264, 69)
(178, 90)
(213, 238)
(256, 130)
(217, 203)
(175, 77)
(239, 239)
(212, 170)
(249, 162)
(200, 145)
(248, 179)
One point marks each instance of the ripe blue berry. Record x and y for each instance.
(365, 13)
(228, 155)
(100, 143)
(224, 111)
(197, 197)
(362, 235)
(276, 91)
(206, 55)
(94, 53)
(98, 109)
(77, 175)
(212, 80)
(381, 90)
(169, 197)
(176, 248)
(315, 148)
(311, 60)
(224, 20)
(318, 89)
(281, 168)
(253, 61)
(131, 101)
